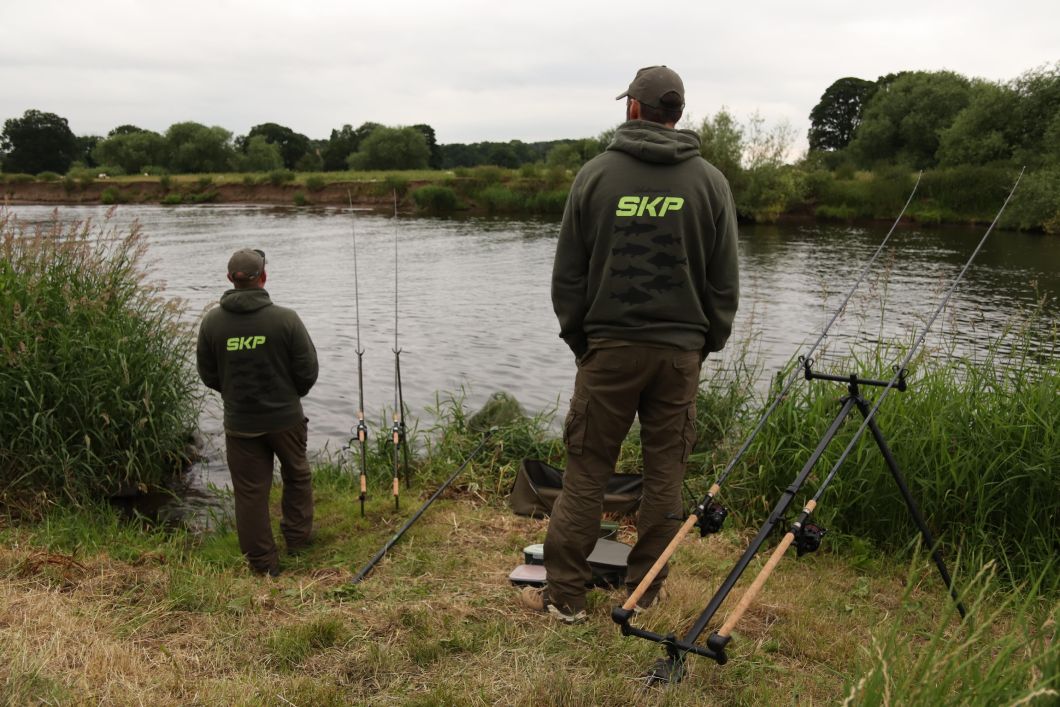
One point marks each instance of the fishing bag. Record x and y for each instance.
(537, 485)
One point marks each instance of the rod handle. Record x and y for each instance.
(639, 592)
(756, 586)
(395, 486)
(364, 484)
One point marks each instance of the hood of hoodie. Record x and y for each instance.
(652, 142)
(243, 301)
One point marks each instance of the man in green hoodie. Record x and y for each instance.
(645, 285)
(260, 358)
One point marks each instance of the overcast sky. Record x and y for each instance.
(481, 70)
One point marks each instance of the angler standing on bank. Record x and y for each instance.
(260, 358)
(645, 285)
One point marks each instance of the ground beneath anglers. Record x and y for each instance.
(435, 623)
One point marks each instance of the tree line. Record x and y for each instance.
(39, 142)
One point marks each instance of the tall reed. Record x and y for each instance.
(97, 393)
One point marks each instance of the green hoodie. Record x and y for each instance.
(261, 359)
(647, 249)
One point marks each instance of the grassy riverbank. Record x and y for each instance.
(95, 609)
(956, 195)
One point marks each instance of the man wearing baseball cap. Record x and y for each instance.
(644, 285)
(260, 358)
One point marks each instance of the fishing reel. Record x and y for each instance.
(712, 518)
(808, 539)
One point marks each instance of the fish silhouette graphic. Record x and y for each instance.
(630, 272)
(665, 239)
(631, 249)
(661, 283)
(632, 296)
(664, 260)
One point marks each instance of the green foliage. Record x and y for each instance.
(173, 199)
(721, 142)
(904, 118)
(289, 146)
(165, 182)
(396, 184)
(48, 177)
(1020, 666)
(132, 151)
(112, 195)
(391, 148)
(984, 131)
(37, 142)
(208, 196)
(1036, 203)
(154, 170)
(300, 199)
(17, 178)
(96, 392)
(315, 183)
(498, 198)
(193, 148)
(260, 155)
(835, 118)
(279, 177)
(436, 199)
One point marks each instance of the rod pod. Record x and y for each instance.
(397, 536)
(672, 668)
(708, 514)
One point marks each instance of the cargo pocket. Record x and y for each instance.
(689, 433)
(575, 424)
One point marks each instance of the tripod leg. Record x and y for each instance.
(914, 511)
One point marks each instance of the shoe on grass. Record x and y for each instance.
(645, 605)
(534, 598)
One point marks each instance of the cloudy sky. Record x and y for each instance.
(481, 70)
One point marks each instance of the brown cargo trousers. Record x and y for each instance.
(250, 461)
(615, 381)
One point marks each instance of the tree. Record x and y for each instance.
(38, 142)
(292, 145)
(984, 131)
(905, 117)
(85, 146)
(125, 130)
(435, 159)
(835, 118)
(721, 143)
(131, 150)
(260, 155)
(193, 147)
(1037, 113)
(392, 148)
(343, 143)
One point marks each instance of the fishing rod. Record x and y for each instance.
(398, 430)
(803, 534)
(709, 515)
(362, 426)
(397, 536)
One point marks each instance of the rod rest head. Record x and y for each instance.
(621, 616)
(717, 644)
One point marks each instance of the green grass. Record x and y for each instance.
(95, 397)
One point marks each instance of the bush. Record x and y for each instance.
(204, 182)
(17, 178)
(205, 197)
(165, 182)
(395, 183)
(49, 177)
(278, 177)
(435, 199)
(500, 199)
(112, 195)
(249, 180)
(154, 170)
(174, 199)
(315, 183)
(97, 392)
(299, 199)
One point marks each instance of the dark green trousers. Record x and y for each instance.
(615, 382)
(250, 461)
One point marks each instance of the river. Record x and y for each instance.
(473, 313)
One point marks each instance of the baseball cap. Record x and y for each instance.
(246, 264)
(653, 86)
